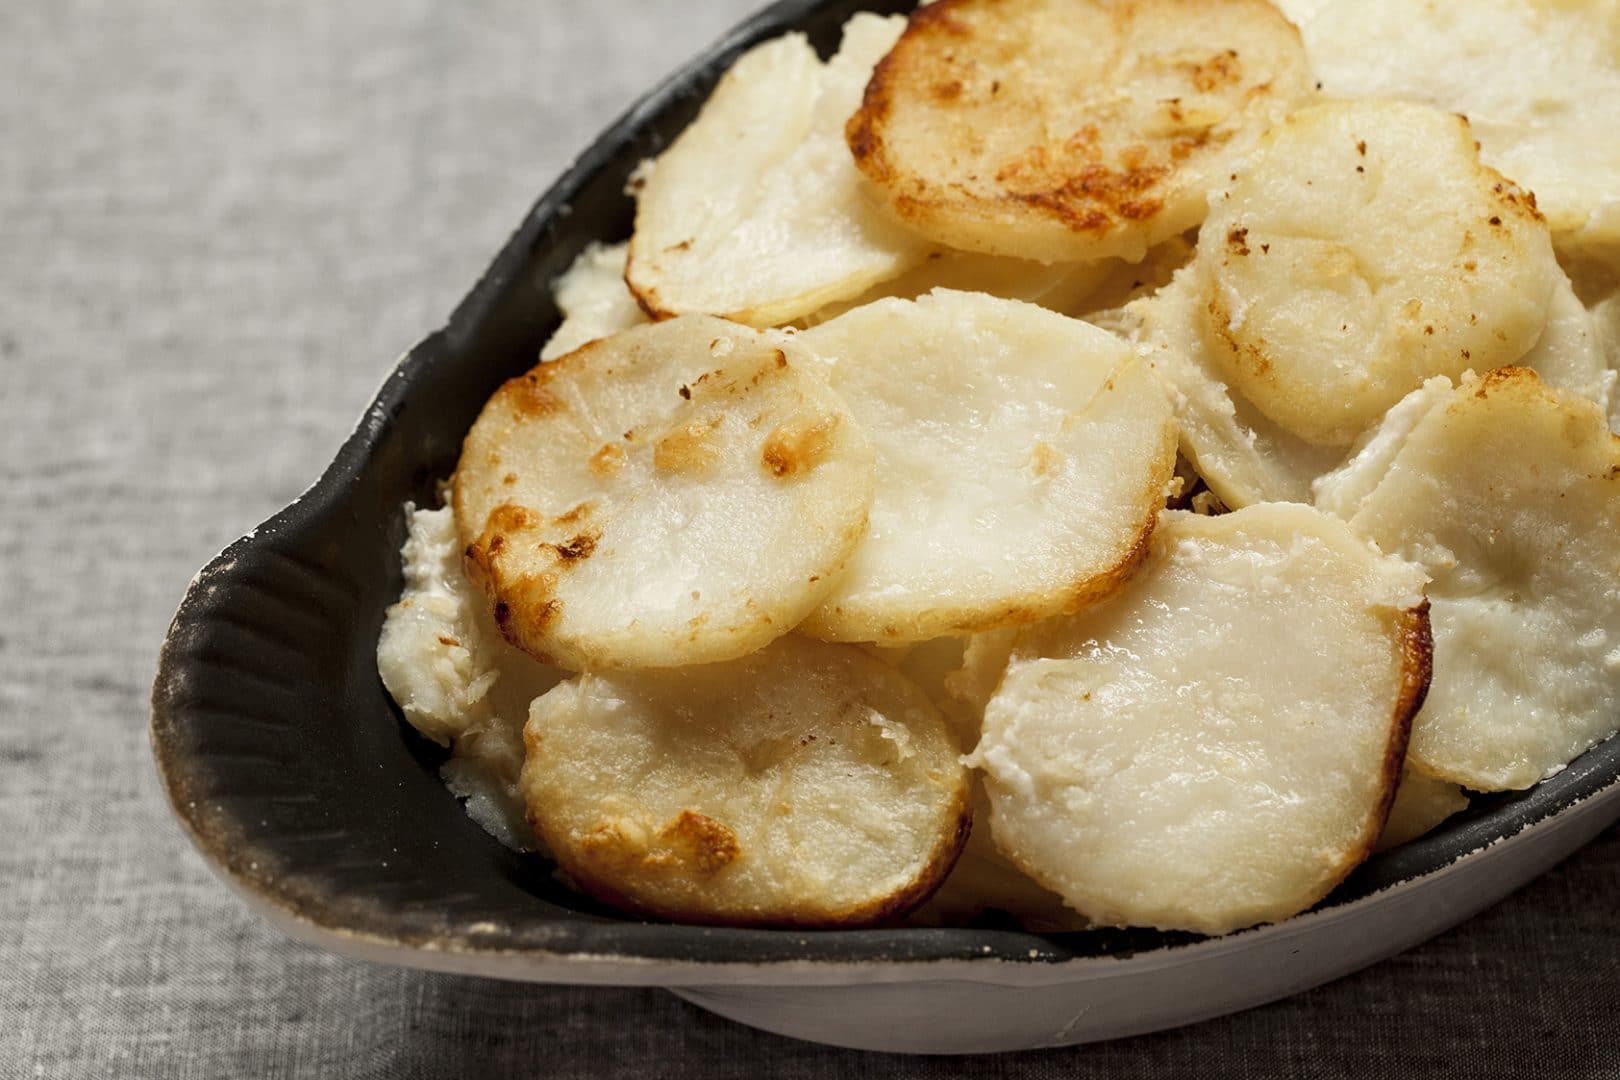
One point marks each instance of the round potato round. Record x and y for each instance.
(680, 493)
(1239, 452)
(1069, 130)
(1218, 745)
(756, 211)
(1362, 250)
(1021, 458)
(807, 785)
(1539, 81)
(1508, 494)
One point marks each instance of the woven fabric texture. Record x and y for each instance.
(219, 225)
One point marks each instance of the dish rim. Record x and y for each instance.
(628, 951)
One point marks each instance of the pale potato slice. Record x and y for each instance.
(1060, 287)
(594, 300)
(984, 661)
(1241, 454)
(1421, 804)
(1071, 129)
(1363, 249)
(985, 880)
(1570, 353)
(1128, 282)
(756, 211)
(456, 680)
(1218, 745)
(1021, 457)
(1538, 79)
(680, 493)
(805, 785)
(1605, 313)
(1508, 494)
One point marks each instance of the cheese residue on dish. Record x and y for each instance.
(457, 680)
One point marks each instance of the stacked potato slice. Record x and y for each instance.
(830, 544)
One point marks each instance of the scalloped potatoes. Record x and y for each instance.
(887, 444)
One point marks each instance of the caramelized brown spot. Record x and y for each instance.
(1238, 240)
(529, 395)
(1045, 460)
(580, 547)
(448, 641)
(1219, 70)
(797, 447)
(608, 460)
(690, 449)
(700, 842)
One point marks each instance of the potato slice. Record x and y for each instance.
(1570, 353)
(594, 300)
(1021, 457)
(1060, 287)
(679, 493)
(1241, 454)
(455, 679)
(756, 212)
(1539, 81)
(1508, 493)
(1421, 804)
(1071, 129)
(1218, 745)
(805, 785)
(985, 880)
(1364, 249)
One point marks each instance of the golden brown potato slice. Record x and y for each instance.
(1218, 745)
(456, 680)
(756, 212)
(594, 300)
(1508, 493)
(1071, 129)
(805, 785)
(1363, 249)
(680, 493)
(1021, 458)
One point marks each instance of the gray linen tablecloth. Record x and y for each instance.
(220, 222)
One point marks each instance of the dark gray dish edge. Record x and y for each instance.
(292, 771)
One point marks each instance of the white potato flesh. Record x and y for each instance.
(1421, 804)
(1570, 353)
(594, 300)
(1021, 458)
(984, 880)
(1218, 745)
(1362, 250)
(1071, 129)
(456, 680)
(1508, 493)
(680, 493)
(1539, 81)
(1241, 454)
(1060, 287)
(1606, 329)
(807, 784)
(756, 211)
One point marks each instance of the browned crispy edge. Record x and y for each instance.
(941, 860)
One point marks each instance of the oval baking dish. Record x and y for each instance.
(294, 775)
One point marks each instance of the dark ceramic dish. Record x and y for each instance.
(294, 774)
